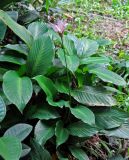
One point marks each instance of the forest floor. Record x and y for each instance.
(100, 20)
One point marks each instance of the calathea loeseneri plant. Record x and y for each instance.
(50, 93)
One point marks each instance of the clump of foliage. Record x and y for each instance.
(54, 93)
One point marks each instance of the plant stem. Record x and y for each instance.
(68, 77)
(68, 81)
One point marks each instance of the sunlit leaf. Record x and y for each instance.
(108, 76)
(19, 30)
(81, 129)
(61, 133)
(2, 109)
(40, 56)
(93, 96)
(10, 148)
(43, 132)
(21, 131)
(84, 114)
(21, 48)
(37, 29)
(78, 153)
(17, 89)
(38, 152)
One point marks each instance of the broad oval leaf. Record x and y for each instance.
(61, 133)
(21, 48)
(10, 148)
(69, 46)
(13, 14)
(21, 131)
(120, 132)
(3, 29)
(95, 60)
(84, 114)
(2, 109)
(93, 96)
(110, 118)
(117, 157)
(40, 56)
(12, 59)
(69, 61)
(86, 47)
(80, 129)
(78, 153)
(49, 88)
(45, 113)
(103, 42)
(38, 152)
(25, 150)
(108, 76)
(37, 29)
(43, 132)
(17, 89)
(47, 85)
(19, 30)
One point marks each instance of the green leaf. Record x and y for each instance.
(37, 29)
(54, 36)
(86, 47)
(50, 90)
(47, 85)
(78, 153)
(121, 132)
(84, 114)
(113, 90)
(3, 29)
(21, 48)
(117, 157)
(69, 46)
(108, 76)
(21, 131)
(19, 30)
(40, 56)
(61, 103)
(81, 129)
(95, 60)
(69, 61)
(103, 42)
(10, 148)
(12, 59)
(48, 4)
(25, 150)
(17, 89)
(43, 132)
(61, 133)
(110, 118)
(13, 14)
(93, 96)
(38, 152)
(127, 64)
(45, 113)
(62, 88)
(2, 109)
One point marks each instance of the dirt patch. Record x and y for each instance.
(109, 27)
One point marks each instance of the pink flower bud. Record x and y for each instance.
(59, 26)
